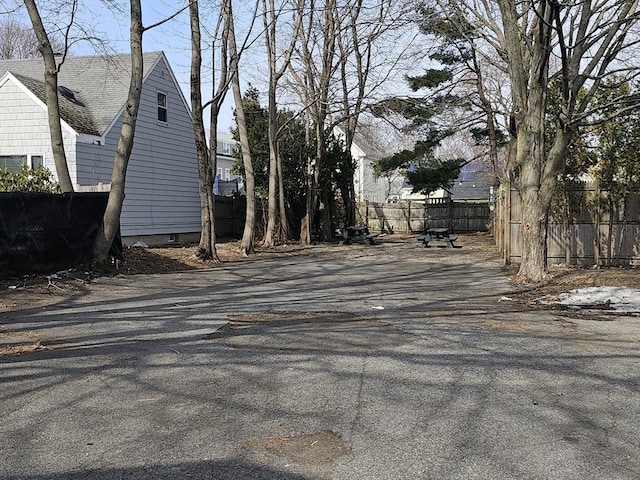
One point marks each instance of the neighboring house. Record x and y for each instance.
(161, 195)
(473, 184)
(226, 183)
(367, 186)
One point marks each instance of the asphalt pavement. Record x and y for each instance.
(389, 362)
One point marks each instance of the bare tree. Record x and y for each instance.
(591, 42)
(272, 24)
(575, 45)
(206, 248)
(247, 243)
(313, 73)
(51, 93)
(111, 219)
(19, 41)
(365, 24)
(345, 54)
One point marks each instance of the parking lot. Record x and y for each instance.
(387, 361)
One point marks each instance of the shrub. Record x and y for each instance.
(28, 180)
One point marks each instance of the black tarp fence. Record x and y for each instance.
(47, 233)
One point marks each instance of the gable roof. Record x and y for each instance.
(100, 85)
(75, 113)
(473, 182)
(363, 142)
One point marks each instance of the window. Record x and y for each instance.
(226, 148)
(36, 161)
(226, 174)
(219, 172)
(162, 107)
(12, 163)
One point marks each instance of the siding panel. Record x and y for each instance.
(162, 178)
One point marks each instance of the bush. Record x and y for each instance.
(28, 180)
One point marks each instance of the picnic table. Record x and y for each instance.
(438, 235)
(357, 233)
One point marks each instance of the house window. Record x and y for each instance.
(226, 174)
(12, 163)
(219, 172)
(162, 107)
(36, 161)
(226, 148)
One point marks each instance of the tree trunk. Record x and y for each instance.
(272, 209)
(247, 243)
(284, 222)
(206, 247)
(111, 219)
(51, 98)
(535, 207)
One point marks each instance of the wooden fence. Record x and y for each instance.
(416, 216)
(597, 233)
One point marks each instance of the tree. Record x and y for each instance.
(247, 242)
(389, 168)
(205, 249)
(278, 64)
(367, 56)
(590, 42)
(111, 219)
(51, 94)
(346, 52)
(257, 124)
(425, 172)
(616, 133)
(292, 153)
(19, 41)
(577, 44)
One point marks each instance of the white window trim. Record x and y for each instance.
(166, 107)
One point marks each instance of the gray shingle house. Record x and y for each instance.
(162, 200)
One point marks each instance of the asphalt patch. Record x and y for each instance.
(321, 331)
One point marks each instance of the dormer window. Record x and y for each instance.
(162, 107)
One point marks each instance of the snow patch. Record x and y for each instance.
(620, 299)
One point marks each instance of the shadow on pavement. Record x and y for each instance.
(219, 470)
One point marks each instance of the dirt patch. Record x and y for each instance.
(312, 449)
(18, 342)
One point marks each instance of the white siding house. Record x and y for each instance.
(161, 194)
(367, 186)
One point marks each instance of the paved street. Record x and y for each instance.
(389, 362)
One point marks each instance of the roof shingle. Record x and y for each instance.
(100, 83)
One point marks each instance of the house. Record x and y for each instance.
(161, 195)
(368, 187)
(226, 182)
(474, 184)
